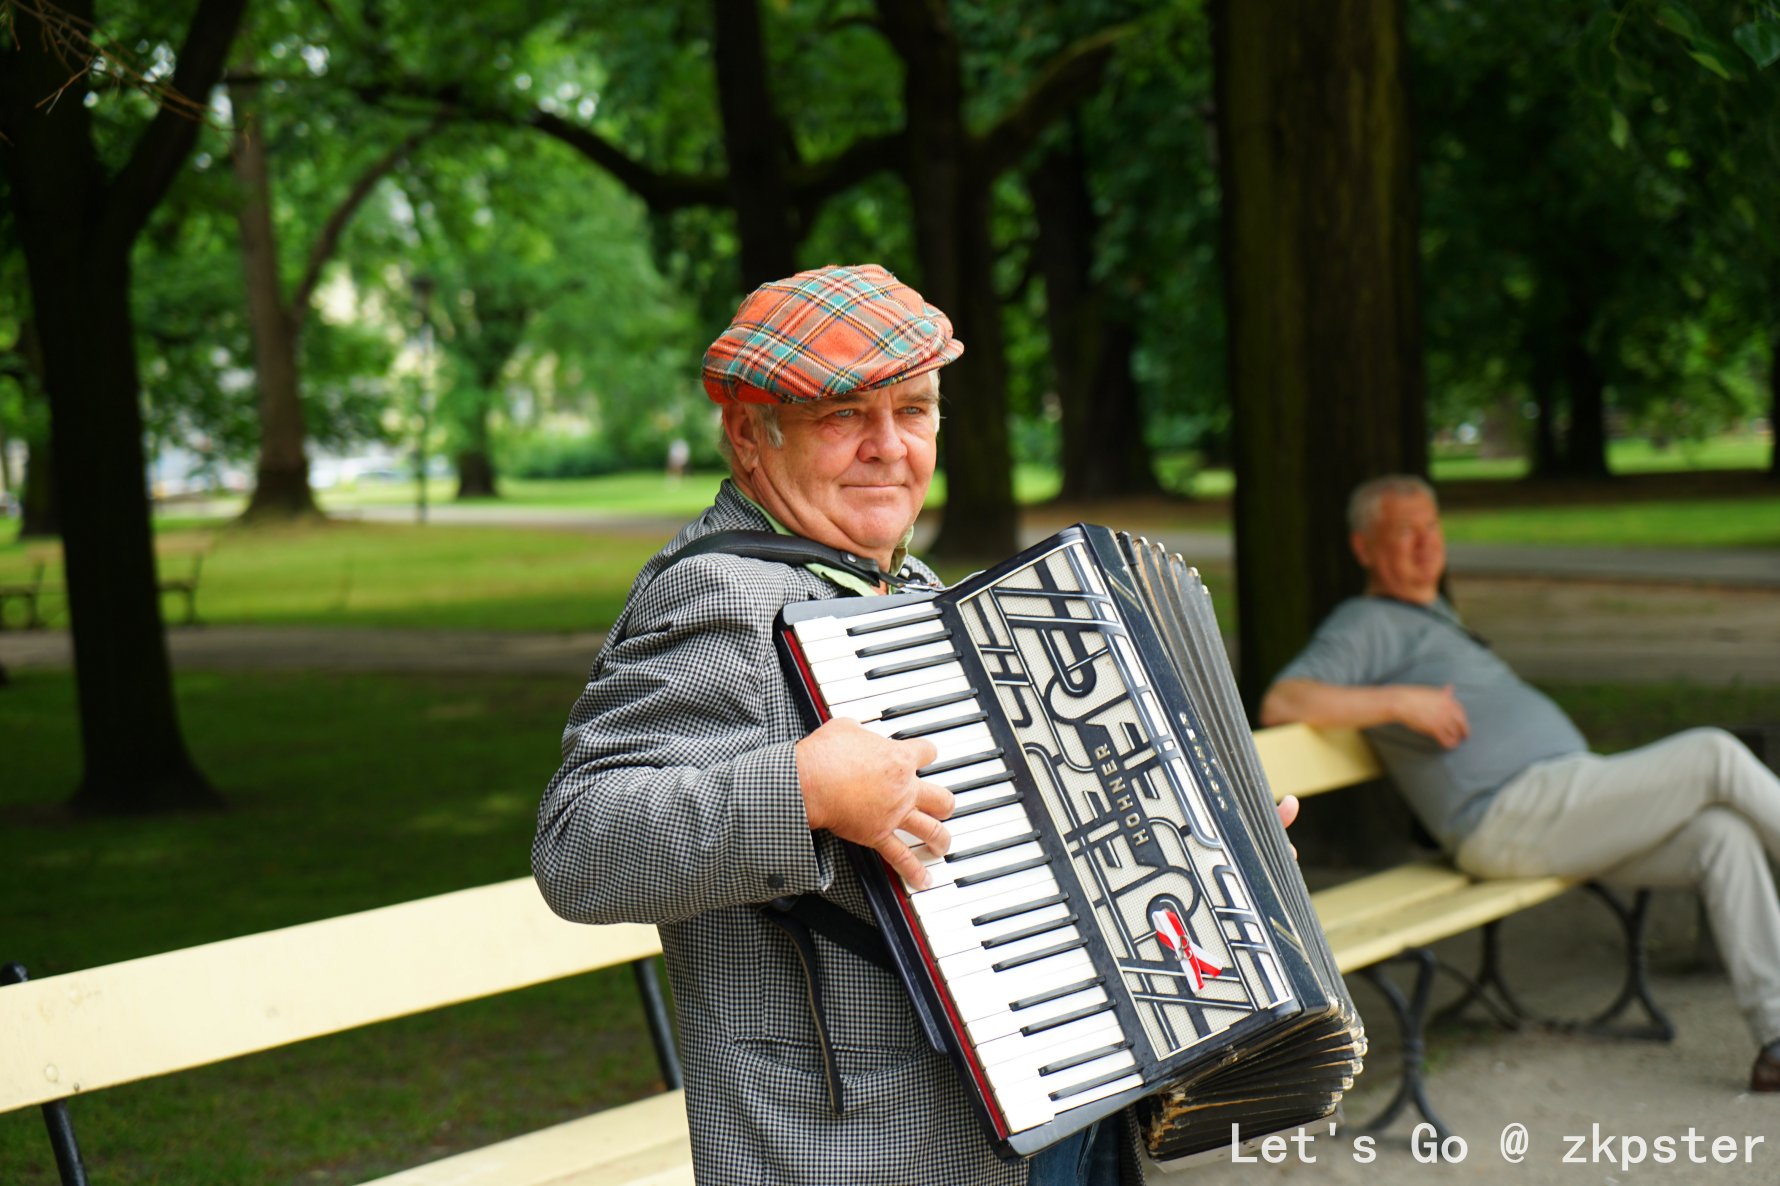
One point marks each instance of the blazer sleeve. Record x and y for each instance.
(678, 789)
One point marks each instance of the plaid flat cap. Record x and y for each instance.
(824, 333)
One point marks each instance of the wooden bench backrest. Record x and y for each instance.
(97, 1028)
(1303, 761)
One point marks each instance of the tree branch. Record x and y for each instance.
(162, 148)
(328, 241)
(1066, 80)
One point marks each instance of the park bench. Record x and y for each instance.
(80, 1032)
(179, 567)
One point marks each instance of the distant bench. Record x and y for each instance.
(70, 1034)
(179, 567)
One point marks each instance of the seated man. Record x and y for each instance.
(1503, 780)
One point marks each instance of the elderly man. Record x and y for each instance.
(689, 792)
(1502, 778)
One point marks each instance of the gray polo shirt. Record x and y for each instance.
(1372, 641)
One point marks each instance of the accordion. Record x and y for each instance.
(1120, 918)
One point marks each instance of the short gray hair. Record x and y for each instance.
(766, 419)
(1362, 504)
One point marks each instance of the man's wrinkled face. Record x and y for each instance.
(1404, 551)
(853, 471)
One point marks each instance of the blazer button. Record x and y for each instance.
(775, 882)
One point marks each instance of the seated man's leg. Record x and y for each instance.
(1718, 854)
(1579, 816)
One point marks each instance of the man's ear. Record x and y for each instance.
(743, 432)
(1362, 550)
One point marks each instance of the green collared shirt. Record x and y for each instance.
(846, 580)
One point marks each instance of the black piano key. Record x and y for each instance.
(915, 706)
(1051, 1023)
(971, 879)
(985, 805)
(1020, 961)
(1028, 932)
(1052, 994)
(885, 648)
(924, 614)
(994, 846)
(1090, 1085)
(983, 920)
(1086, 1056)
(974, 718)
(987, 780)
(988, 755)
(911, 665)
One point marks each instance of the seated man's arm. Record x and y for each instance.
(1432, 711)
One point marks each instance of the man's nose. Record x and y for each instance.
(882, 441)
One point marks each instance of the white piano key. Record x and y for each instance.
(850, 666)
(973, 960)
(816, 629)
(951, 871)
(961, 936)
(879, 689)
(990, 1026)
(1028, 1104)
(947, 897)
(915, 723)
(818, 651)
(871, 707)
(1019, 1055)
(984, 993)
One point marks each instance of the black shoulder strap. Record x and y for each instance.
(812, 912)
(786, 549)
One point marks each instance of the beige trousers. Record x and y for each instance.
(1695, 810)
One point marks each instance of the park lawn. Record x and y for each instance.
(1683, 523)
(346, 793)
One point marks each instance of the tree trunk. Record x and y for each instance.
(38, 516)
(758, 147)
(77, 226)
(1103, 452)
(1585, 449)
(949, 192)
(281, 484)
(1320, 262)
(475, 462)
(1774, 408)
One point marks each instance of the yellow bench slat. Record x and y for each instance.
(1385, 892)
(1381, 936)
(640, 1144)
(1303, 761)
(103, 1026)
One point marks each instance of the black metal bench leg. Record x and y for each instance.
(1412, 1015)
(661, 1026)
(72, 1170)
(1636, 989)
(1504, 1006)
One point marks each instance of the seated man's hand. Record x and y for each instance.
(1435, 712)
(862, 787)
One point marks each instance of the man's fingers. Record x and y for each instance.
(1288, 810)
(902, 859)
(934, 799)
(929, 831)
(922, 750)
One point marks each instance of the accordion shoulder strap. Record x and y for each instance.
(816, 913)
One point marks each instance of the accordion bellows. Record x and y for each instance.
(1120, 918)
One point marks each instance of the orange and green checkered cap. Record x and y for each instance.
(824, 333)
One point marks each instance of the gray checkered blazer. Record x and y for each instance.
(677, 804)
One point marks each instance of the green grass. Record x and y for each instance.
(1634, 455)
(344, 793)
(1698, 523)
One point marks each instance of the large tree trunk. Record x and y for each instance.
(1321, 287)
(1321, 272)
(77, 226)
(1103, 452)
(1585, 450)
(949, 191)
(757, 145)
(281, 484)
(37, 504)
